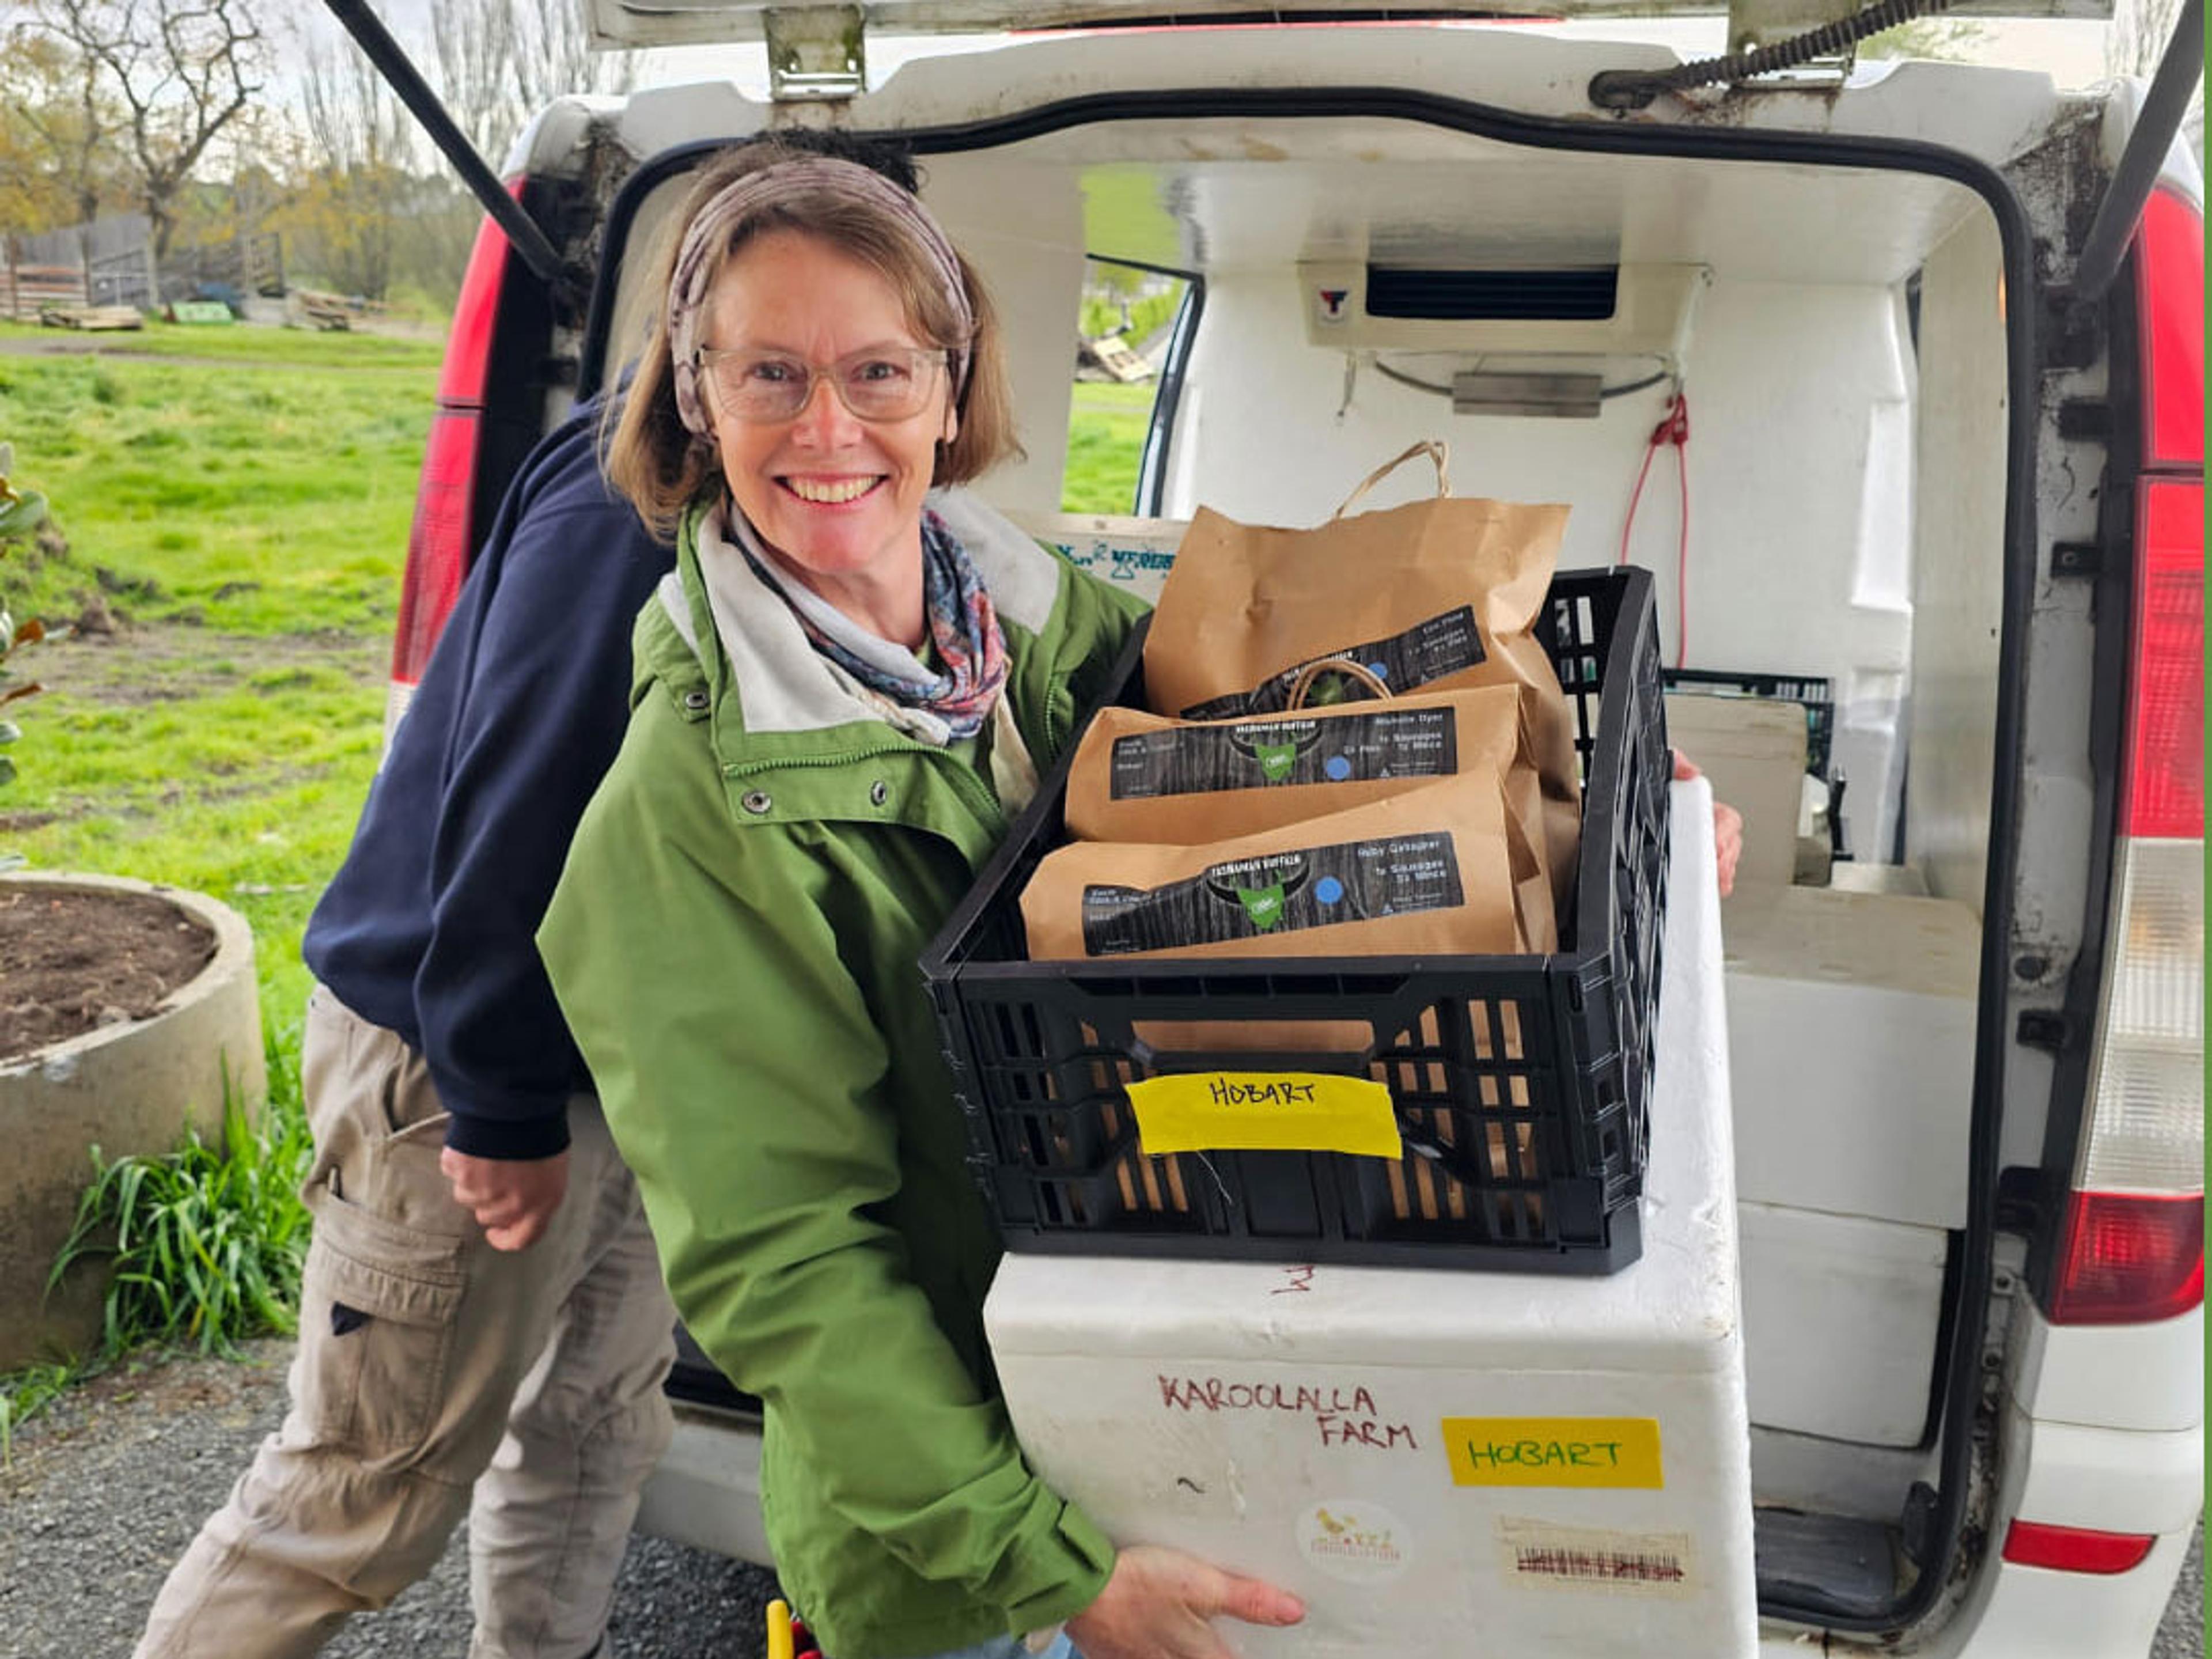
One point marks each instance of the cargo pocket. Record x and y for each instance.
(377, 1303)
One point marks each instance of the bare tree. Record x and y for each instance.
(180, 71)
(2138, 34)
(354, 119)
(56, 100)
(498, 61)
(363, 142)
(2136, 40)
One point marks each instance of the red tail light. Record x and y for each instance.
(2165, 759)
(438, 546)
(2075, 1549)
(2132, 1248)
(2170, 273)
(2130, 1258)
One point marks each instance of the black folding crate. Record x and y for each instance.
(1521, 1084)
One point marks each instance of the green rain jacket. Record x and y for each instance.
(734, 943)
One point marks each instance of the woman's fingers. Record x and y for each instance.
(1258, 1602)
(1728, 842)
(1159, 1603)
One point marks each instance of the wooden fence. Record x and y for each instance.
(26, 290)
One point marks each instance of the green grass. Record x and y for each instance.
(290, 348)
(269, 501)
(1106, 430)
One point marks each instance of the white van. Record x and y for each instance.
(1939, 333)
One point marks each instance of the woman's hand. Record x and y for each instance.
(1728, 826)
(1157, 1602)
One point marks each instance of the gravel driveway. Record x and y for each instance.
(104, 1493)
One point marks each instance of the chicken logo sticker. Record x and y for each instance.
(1353, 1541)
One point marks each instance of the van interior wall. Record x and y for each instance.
(1807, 433)
(1958, 579)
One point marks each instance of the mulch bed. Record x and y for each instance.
(72, 960)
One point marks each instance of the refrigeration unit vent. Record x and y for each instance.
(1627, 310)
(1583, 295)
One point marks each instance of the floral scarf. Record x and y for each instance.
(964, 626)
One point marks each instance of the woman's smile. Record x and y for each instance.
(831, 491)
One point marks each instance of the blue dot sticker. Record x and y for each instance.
(1337, 768)
(1327, 891)
(1379, 669)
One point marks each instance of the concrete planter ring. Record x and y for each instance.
(129, 1087)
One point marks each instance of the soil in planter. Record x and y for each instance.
(74, 959)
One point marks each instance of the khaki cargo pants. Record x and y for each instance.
(436, 1377)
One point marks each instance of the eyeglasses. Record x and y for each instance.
(883, 383)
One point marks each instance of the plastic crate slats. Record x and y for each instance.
(1521, 1084)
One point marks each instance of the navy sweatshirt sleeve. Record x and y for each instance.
(429, 928)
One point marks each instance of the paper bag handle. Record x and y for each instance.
(1436, 449)
(1345, 665)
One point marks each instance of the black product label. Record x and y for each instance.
(1413, 743)
(1425, 652)
(1276, 893)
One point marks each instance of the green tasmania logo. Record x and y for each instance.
(1277, 760)
(1264, 905)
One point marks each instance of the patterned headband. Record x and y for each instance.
(811, 178)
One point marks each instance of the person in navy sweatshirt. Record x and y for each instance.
(483, 1327)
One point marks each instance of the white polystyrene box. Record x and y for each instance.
(1851, 1035)
(1312, 1425)
(1841, 1315)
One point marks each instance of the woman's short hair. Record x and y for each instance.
(663, 468)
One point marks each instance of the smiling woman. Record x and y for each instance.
(855, 673)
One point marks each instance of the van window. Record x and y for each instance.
(1131, 321)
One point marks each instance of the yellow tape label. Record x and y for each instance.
(1553, 1451)
(1266, 1111)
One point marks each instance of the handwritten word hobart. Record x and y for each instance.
(1246, 1092)
(1544, 1454)
(1341, 1417)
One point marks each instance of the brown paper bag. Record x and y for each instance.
(1431, 870)
(1143, 777)
(1439, 870)
(1433, 596)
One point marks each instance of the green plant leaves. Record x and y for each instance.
(207, 1242)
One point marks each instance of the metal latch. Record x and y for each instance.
(815, 53)
(2046, 1029)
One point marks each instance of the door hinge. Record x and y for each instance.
(815, 53)
(2072, 337)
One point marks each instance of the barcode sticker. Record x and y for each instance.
(1540, 1555)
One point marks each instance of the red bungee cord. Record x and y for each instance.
(1674, 429)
